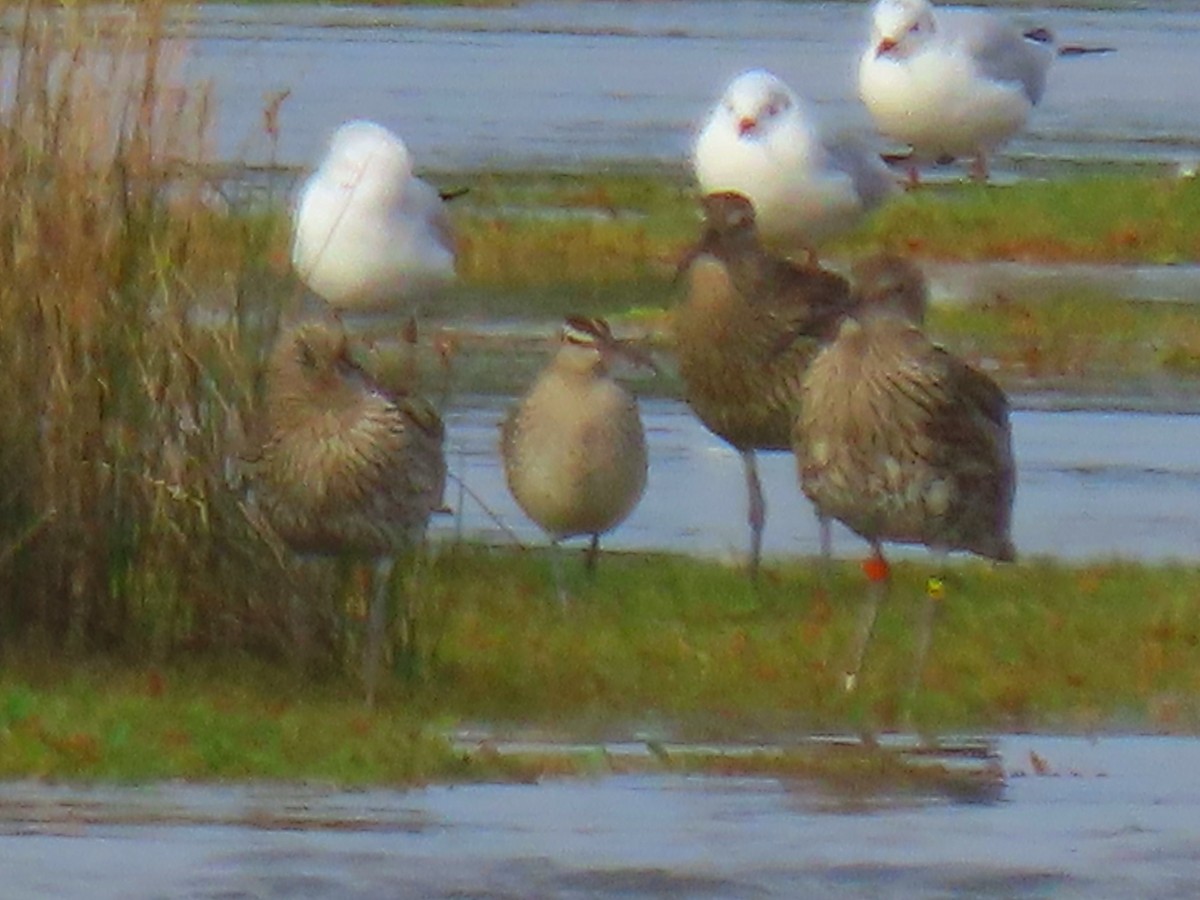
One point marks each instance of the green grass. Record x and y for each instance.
(1083, 337)
(673, 647)
(624, 226)
(1108, 219)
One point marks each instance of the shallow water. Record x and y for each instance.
(1090, 484)
(1114, 817)
(565, 84)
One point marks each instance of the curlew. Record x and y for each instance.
(347, 468)
(904, 442)
(745, 332)
(573, 447)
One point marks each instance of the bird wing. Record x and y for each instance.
(872, 181)
(807, 301)
(1001, 53)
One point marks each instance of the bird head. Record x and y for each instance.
(754, 101)
(892, 285)
(588, 342)
(728, 212)
(311, 369)
(898, 27)
(366, 157)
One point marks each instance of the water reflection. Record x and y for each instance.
(1090, 484)
(1113, 817)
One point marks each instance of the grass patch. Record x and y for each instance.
(674, 647)
(1082, 337)
(533, 229)
(1100, 219)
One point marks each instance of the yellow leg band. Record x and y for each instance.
(935, 588)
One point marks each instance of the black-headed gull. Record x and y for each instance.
(954, 84)
(762, 141)
(370, 236)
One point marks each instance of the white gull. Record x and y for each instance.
(763, 142)
(952, 84)
(370, 236)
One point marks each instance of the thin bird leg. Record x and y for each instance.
(757, 512)
(935, 592)
(300, 626)
(376, 626)
(556, 568)
(878, 574)
(591, 555)
(825, 564)
(979, 169)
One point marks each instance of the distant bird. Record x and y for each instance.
(953, 84)
(745, 333)
(369, 236)
(762, 141)
(902, 441)
(573, 447)
(347, 468)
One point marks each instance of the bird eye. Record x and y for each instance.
(916, 27)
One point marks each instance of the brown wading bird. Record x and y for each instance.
(744, 335)
(347, 468)
(573, 447)
(902, 441)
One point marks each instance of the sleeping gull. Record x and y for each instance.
(369, 235)
(761, 141)
(954, 84)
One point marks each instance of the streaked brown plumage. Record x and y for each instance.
(347, 468)
(901, 440)
(573, 447)
(744, 335)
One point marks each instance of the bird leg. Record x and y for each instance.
(935, 592)
(556, 569)
(878, 574)
(757, 511)
(376, 626)
(591, 555)
(979, 169)
(300, 616)
(825, 565)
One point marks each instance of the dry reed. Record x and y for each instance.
(131, 313)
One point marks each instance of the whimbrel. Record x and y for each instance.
(763, 141)
(744, 335)
(369, 236)
(347, 468)
(573, 447)
(904, 442)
